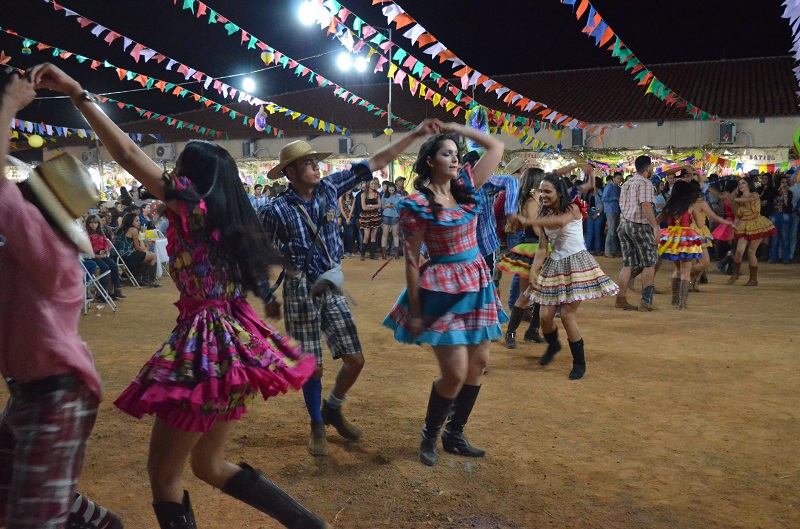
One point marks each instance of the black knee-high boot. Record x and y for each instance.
(438, 408)
(578, 360)
(532, 334)
(553, 346)
(253, 488)
(453, 440)
(513, 324)
(171, 515)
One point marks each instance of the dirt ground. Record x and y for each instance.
(684, 420)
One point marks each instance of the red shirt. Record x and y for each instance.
(500, 215)
(41, 297)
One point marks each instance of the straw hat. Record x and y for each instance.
(65, 191)
(514, 165)
(291, 152)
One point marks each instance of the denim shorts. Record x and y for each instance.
(389, 221)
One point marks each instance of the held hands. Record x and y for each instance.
(428, 127)
(514, 222)
(416, 325)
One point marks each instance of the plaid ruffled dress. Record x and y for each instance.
(459, 301)
(220, 354)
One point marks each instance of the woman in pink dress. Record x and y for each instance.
(220, 355)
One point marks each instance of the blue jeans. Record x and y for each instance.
(779, 245)
(612, 239)
(512, 240)
(594, 231)
(795, 224)
(106, 264)
(348, 234)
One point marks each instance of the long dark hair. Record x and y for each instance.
(215, 178)
(429, 149)
(563, 195)
(126, 224)
(124, 197)
(683, 196)
(96, 231)
(529, 181)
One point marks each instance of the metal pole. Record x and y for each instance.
(389, 116)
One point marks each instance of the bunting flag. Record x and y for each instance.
(270, 55)
(792, 13)
(602, 33)
(23, 128)
(139, 50)
(469, 76)
(403, 66)
(168, 88)
(714, 160)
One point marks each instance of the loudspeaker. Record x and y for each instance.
(727, 132)
(577, 137)
(345, 145)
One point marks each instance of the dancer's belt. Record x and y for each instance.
(467, 256)
(40, 387)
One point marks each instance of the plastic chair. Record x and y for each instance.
(90, 281)
(123, 267)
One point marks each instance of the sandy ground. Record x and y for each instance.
(684, 420)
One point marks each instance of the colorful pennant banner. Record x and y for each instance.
(470, 77)
(140, 51)
(271, 55)
(602, 33)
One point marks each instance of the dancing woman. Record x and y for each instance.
(451, 301)
(753, 230)
(680, 242)
(568, 275)
(700, 225)
(519, 258)
(220, 355)
(370, 218)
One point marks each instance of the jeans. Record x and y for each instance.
(612, 239)
(779, 245)
(594, 231)
(105, 264)
(512, 240)
(348, 236)
(795, 224)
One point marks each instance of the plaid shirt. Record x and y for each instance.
(287, 226)
(488, 240)
(636, 190)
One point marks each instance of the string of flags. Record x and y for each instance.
(270, 55)
(472, 78)
(602, 33)
(138, 51)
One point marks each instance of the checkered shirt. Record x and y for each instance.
(636, 190)
(488, 240)
(288, 228)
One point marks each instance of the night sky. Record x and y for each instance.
(493, 36)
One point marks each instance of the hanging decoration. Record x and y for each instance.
(602, 33)
(272, 56)
(470, 77)
(792, 12)
(140, 51)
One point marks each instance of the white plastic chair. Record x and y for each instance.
(123, 267)
(90, 282)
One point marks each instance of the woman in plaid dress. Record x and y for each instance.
(450, 302)
(568, 275)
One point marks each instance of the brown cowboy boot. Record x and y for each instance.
(622, 303)
(676, 286)
(693, 278)
(737, 266)
(753, 281)
(683, 295)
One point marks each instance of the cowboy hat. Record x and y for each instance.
(514, 165)
(64, 191)
(291, 152)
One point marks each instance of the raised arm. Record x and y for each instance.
(489, 162)
(17, 95)
(123, 150)
(389, 153)
(705, 208)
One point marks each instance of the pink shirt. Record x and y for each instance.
(634, 192)
(41, 296)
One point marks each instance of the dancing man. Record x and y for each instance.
(303, 221)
